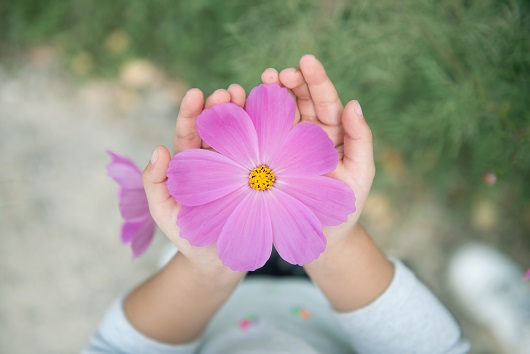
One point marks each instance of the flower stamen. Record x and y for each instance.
(261, 178)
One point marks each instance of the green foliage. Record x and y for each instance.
(444, 84)
(183, 36)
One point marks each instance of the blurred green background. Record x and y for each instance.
(444, 84)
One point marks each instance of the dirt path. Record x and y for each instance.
(60, 257)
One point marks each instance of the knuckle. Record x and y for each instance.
(328, 101)
(190, 135)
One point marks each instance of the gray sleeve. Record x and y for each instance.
(407, 318)
(116, 335)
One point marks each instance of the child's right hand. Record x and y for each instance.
(162, 205)
(318, 102)
(352, 272)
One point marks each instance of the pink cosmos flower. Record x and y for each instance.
(262, 185)
(139, 227)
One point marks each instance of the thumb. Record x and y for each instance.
(358, 144)
(161, 203)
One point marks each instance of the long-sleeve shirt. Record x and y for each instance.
(267, 315)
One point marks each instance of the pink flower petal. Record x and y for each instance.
(139, 227)
(142, 237)
(124, 172)
(198, 176)
(272, 110)
(307, 150)
(133, 204)
(139, 234)
(227, 128)
(527, 275)
(245, 243)
(297, 233)
(129, 229)
(330, 199)
(201, 225)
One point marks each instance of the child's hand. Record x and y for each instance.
(162, 206)
(318, 102)
(352, 272)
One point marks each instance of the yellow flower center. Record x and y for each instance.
(261, 178)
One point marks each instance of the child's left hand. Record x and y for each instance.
(318, 102)
(162, 205)
(176, 305)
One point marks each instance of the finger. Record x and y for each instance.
(219, 96)
(161, 203)
(328, 106)
(186, 136)
(237, 94)
(293, 79)
(358, 144)
(269, 76)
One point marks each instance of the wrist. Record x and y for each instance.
(353, 272)
(340, 241)
(211, 273)
(336, 235)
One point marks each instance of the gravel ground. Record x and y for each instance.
(61, 262)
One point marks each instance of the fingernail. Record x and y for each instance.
(359, 110)
(154, 157)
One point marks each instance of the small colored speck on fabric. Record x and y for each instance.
(248, 321)
(301, 312)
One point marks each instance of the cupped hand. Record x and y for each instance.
(162, 205)
(318, 102)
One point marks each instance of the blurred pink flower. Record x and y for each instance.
(262, 185)
(139, 227)
(527, 274)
